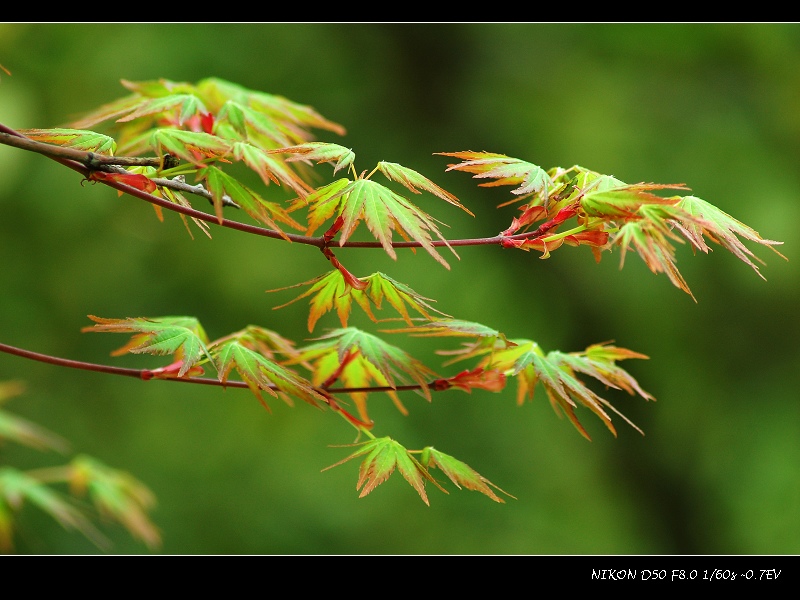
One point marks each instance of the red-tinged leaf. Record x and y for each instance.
(460, 473)
(140, 182)
(321, 152)
(293, 117)
(329, 291)
(357, 359)
(609, 198)
(530, 215)
(381, 457)
(652, 243)
(482, 379)
(182, 337)
(80, 139)
(109, 111)
(528, 178)
(172, 371)
(414, 181)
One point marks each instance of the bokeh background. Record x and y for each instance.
(715, 106)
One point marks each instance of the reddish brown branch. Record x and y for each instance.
(147, 374)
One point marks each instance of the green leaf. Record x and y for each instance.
(192, 146)
(269, 168)
(721, 228)
(384, 211)
(461, 474)
(221, 184)
(414, 181)
(381, 457)
(17, 487)
(183, 106)
(80, 139)
(260, 372)
(117, 495)
(22, 431)
(556, 372)
(332, 291)
(182, 337)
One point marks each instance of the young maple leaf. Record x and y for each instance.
(117, 495)
(721, 228)
(331, 290)
(556, 372)
(220, 184)
(415, 182)
(486, 340)
(192, 146)
(528, 177)
(182, 337)
(381, 457)
(248, 353)
(80, 139)
(321, 152)
(17, 488)
(358, 359)
(460, 473)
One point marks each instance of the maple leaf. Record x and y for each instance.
(21, 430)
(182, 337)
(721, 228)
(269, 168)
(357, 359)
(191, 146)
(331, 290)
(383, 211)
(528, 177)
(321, 152)
(258, 371)
(221, 184)
(17, 487)
(116, 494)
(80, 139)
(296, 117)
(415, 182)
(460, 473)
(486, 340)
(381, 457)
(556, 372)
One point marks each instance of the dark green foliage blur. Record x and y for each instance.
(715, 106)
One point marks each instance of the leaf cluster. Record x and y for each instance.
(202, 131)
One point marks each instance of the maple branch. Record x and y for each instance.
(85, 162)
(147, 374)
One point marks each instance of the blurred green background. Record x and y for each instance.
(715, 106)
